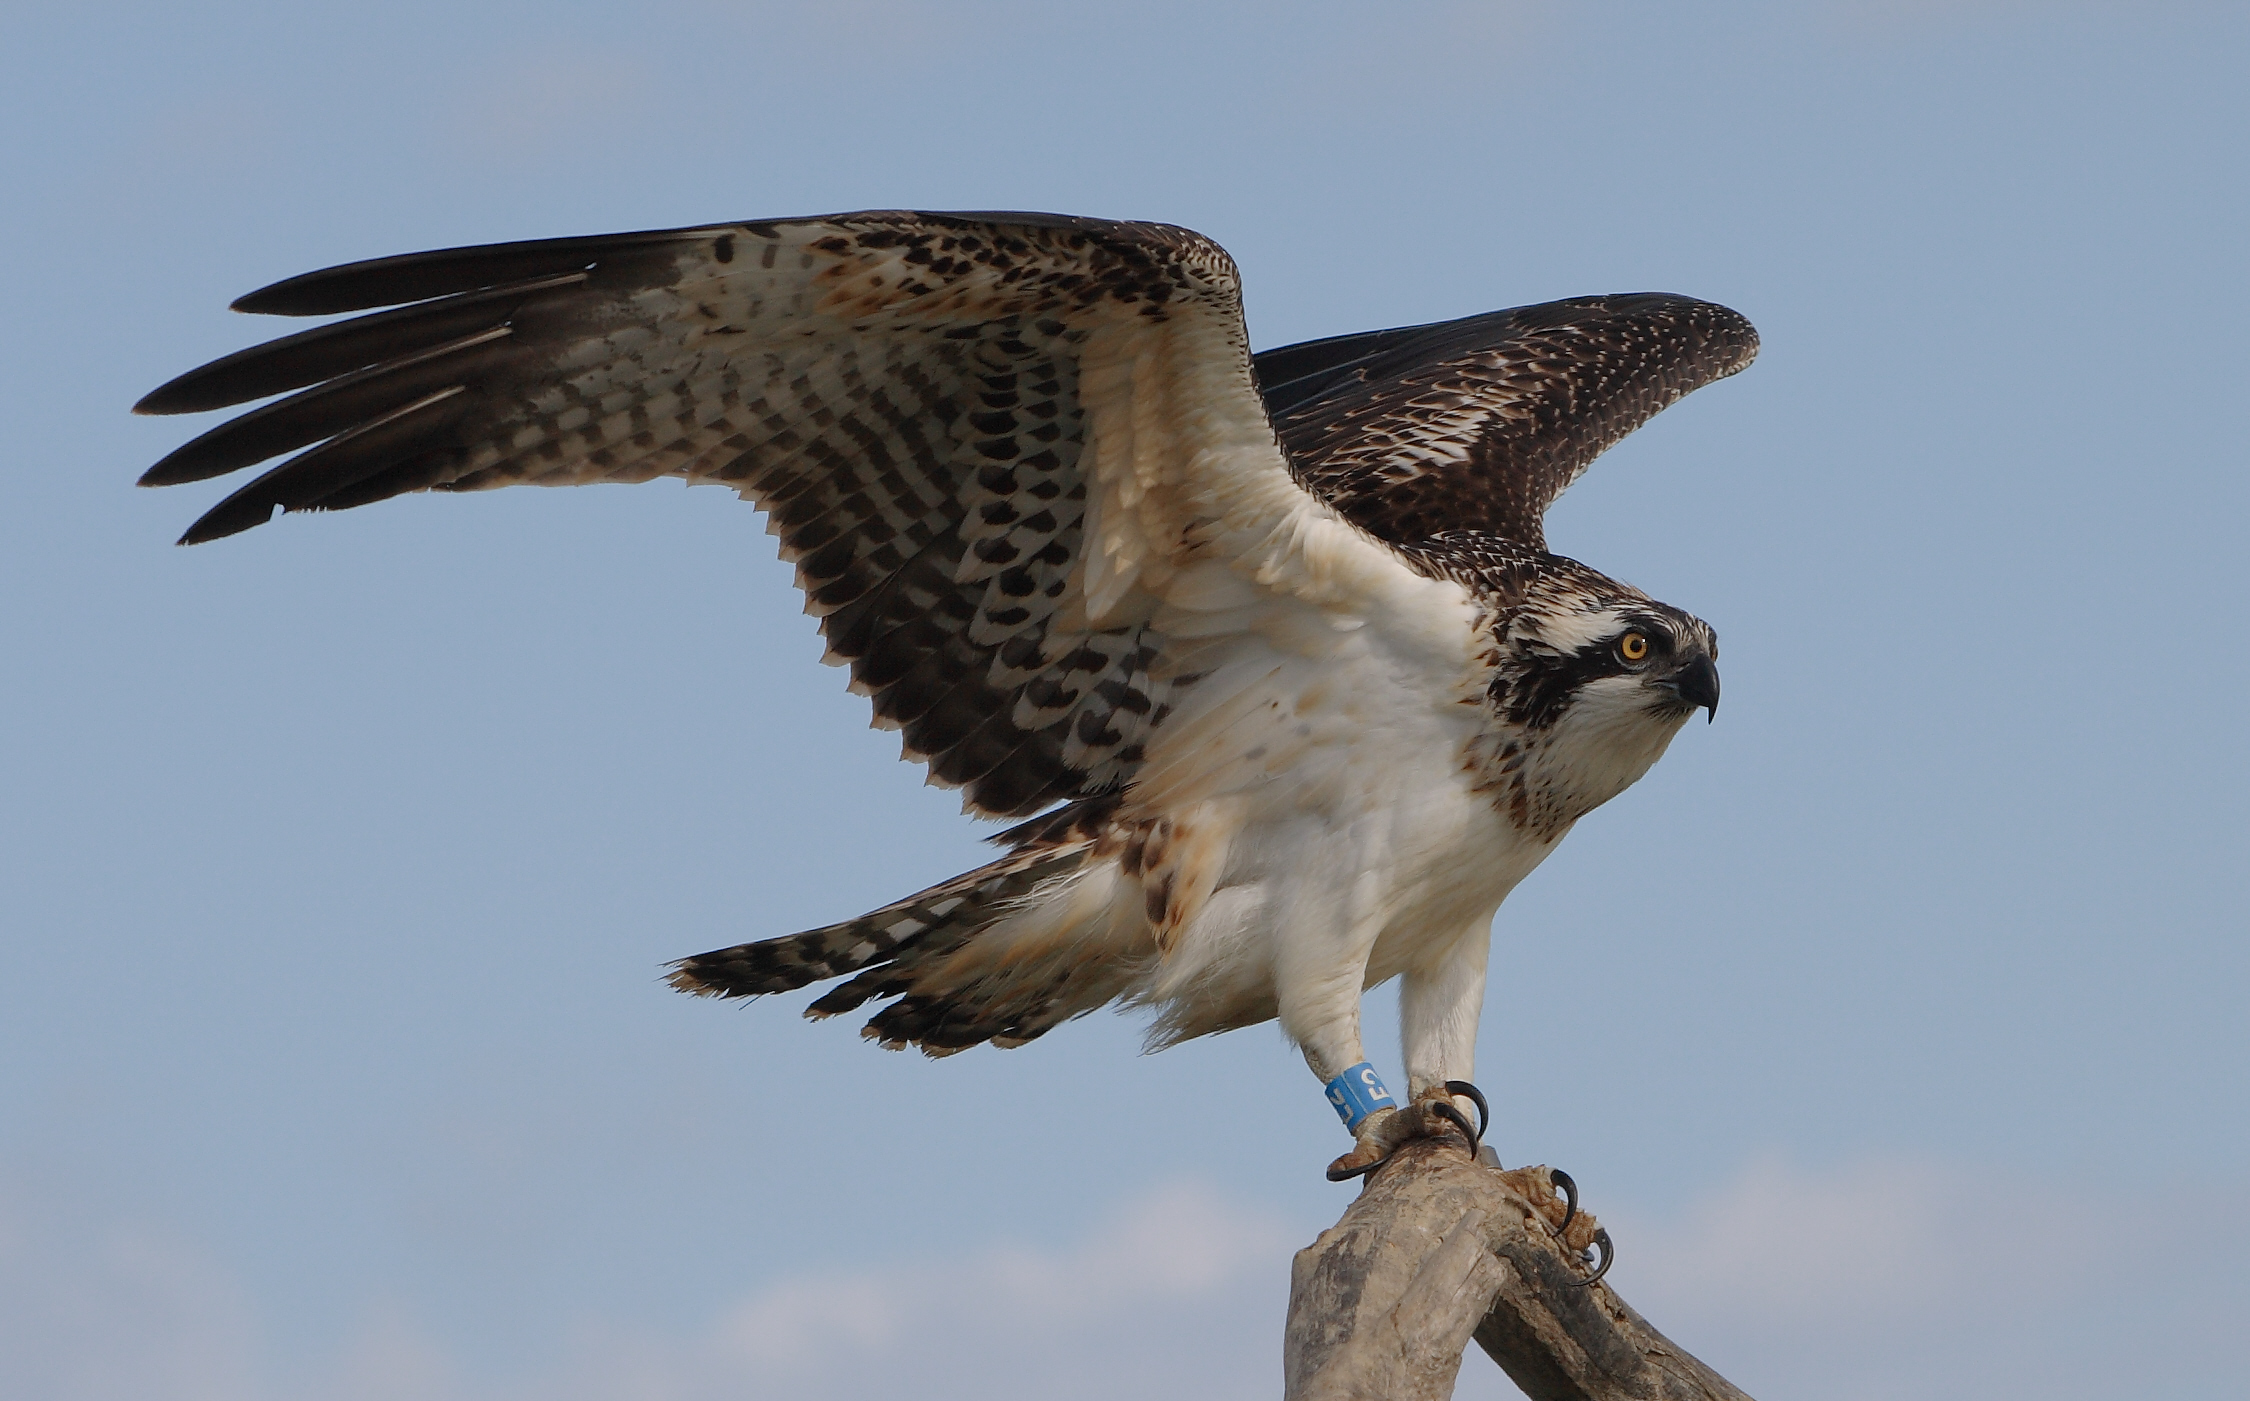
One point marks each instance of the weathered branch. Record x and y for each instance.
(1439, 1249)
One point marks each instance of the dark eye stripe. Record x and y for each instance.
(1532, 685)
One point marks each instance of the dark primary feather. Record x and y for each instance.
(1290, 376)
(336, 406)
(414, 277)
(387, 338)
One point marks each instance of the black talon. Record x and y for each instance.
(1472, 1093)
(1570, 1198)
(1444, 1109)
(1609, 1257)
(1334, 1176)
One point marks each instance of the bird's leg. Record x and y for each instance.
(1438, 1009)
(1440, 1040)
(1327, 1029)
(1319, 976)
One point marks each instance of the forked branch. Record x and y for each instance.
(1439, 1249)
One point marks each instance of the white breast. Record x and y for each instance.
(1321, 765)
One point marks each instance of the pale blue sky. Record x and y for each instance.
(1893, 1022)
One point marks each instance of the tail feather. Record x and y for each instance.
(929, 923)
(1075, 946)
(1003, 953)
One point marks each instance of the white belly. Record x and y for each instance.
(1319, 821)
(1366, 853)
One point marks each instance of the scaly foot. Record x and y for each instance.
(1433, 1113)
(1554, 1196)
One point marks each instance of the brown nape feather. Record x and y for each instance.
(1007, 1001)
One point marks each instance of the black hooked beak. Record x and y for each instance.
(1697, 684)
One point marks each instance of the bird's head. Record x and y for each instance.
(1593, 678)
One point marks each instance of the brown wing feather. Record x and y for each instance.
(1481, 423)
(898, 390)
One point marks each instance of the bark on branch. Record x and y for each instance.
(1439, 1249)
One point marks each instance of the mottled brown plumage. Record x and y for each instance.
(1055, 518)
(1480, 423)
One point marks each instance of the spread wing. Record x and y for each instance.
(999, 448)
(1481, 423)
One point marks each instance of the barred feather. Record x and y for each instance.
(903, 950)
(1041, 500)
(928, 923)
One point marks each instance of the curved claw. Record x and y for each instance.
(1569, 1189)
(1444, 1109)
(1475, 1096)
(1608, 1257)
(1338, 1172)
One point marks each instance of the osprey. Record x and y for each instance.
(1270, 649)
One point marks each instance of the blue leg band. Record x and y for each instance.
(1357, 1093)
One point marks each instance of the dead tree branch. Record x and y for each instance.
(1439, 1249)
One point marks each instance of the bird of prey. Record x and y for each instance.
(1269, 649)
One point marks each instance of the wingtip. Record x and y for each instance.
(284, 298)
(229, 517)
(304, 294)
(200, 390)
(163, 474)
(169, 398)
(683, 977)
(182, 465)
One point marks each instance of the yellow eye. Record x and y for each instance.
(1633, 647)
